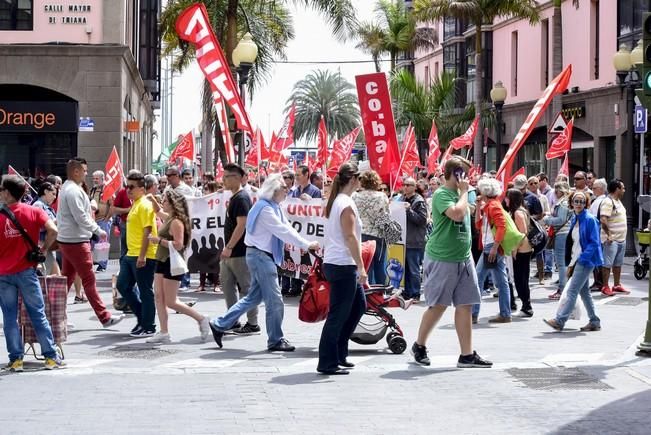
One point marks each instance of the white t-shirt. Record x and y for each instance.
(336, 251)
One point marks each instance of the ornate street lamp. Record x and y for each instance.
(498, 96)
(244, 57)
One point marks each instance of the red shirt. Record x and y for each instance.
(122, 201)
(13, 247)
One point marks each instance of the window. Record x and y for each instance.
(436, 69)
(450, 59)
(594, 39)
(449, 27)
(544, 54)
(471, 70)
(514, 63)
(629, 19)
(427, 77)
(16, 15)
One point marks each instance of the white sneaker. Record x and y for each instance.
(114, 320)
(204, 328)
(159, 338)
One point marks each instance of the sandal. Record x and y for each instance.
(554, 296)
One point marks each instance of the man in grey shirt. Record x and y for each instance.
(76, 228)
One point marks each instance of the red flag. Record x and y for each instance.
(434, 149)
(520, 171)
(286, 135)
(219, 170)
(562, 143)
(379, 126)
(446, 155)
(341, 151)
(193, 25)
(185, 148)
(12, 171)
(222, 117)
(113, 175)
(468, 138)
(258, 151)
(565, 167)
(410, 158)
(557, 86)
(322, 145)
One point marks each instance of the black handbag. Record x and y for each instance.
(34, 255)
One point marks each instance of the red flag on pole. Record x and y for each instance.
(557, 86)
(258, 151)
(434, 149)
(468, 138)
(113, 175)
(219, 170)
(286, 135)
(12, 171)
(410, 158)
(185, 148)
(222, 117)
(341, 151)
(193, 25)
(565, 167)
(322, 145)
(562, 143)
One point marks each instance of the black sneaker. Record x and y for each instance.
(136, 330)
(143, 333)
(282, 346)
(237, 325)
(473, 360)
(420, 354)
(217, 335)
(247, 329)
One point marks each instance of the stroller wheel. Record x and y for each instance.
(639, 271)
(398, 344)
(390, 336)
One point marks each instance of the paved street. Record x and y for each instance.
(542, 382)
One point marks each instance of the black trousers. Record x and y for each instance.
(521, 270)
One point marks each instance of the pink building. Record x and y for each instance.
(520, 56)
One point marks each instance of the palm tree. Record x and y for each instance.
(395, 31)
(327, 94)
(419, 104)
(477, 12)
(269, 22)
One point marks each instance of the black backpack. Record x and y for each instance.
(537, 236)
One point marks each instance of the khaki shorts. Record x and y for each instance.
(448, 283)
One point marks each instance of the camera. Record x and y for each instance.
(35, 257)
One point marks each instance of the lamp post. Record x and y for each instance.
(244, 57)
(498, 96)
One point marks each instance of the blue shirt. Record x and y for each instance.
(310, 190)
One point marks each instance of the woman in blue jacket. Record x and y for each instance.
(582, 255)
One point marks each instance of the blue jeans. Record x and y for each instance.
(500, 280)
(559, 255)
(25, 282)
(143, 305)
(549, 260)
(264, 287)
(347, 305)
(377, 271)
(123, 239)
(579, 285)
(413, 260)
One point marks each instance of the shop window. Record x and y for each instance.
(16, 15)
(534, 157)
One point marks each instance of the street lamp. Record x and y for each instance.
(244, 57)
(498, 96)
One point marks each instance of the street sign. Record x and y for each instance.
(86, 124)
(558, 125)
(640, 120)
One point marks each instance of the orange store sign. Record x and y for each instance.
(132, 126)
(38, 116)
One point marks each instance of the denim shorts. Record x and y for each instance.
(614, 254)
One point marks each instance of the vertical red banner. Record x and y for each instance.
(379, 125)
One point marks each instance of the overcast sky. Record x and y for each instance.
(313, 42)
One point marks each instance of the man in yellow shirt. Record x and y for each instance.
(139, 265)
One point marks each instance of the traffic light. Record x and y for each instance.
(646, 53)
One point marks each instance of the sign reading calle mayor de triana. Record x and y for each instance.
(67, 13)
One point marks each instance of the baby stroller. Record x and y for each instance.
(377, 320)
(641, 265)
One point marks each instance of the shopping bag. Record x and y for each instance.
(178, 266)
(55, 290)
(315, 299)
(101, 252)
(562, 302)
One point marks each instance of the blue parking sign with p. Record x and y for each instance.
(640, 120)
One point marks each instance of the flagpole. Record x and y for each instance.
(23, 178)
(402, 159)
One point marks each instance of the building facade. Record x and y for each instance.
(520, 55)
(77, 78)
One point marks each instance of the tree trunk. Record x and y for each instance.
(478, 147)
(231, 29)
(376, 59)
(553, 166)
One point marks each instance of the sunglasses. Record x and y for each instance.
(409, 185)
(578, 201)
(287, 177)
(533, 184)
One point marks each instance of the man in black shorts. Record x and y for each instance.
(449, 272)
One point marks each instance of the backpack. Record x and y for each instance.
(537, 236)
(512, 236)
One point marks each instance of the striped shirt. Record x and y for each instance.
(614, 210)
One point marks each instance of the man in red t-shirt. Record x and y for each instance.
(121, 207)
(18, 273)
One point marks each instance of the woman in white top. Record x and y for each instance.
(344, 270)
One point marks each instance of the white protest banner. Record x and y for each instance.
(207, 215)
